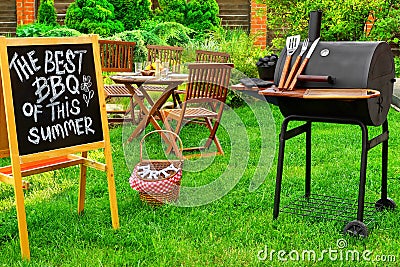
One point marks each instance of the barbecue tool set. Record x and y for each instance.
(292, 43)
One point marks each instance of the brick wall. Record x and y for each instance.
(258, 23)
(25, 11)
(369, 23)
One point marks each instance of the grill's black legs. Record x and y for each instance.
(279, 172)
(385, 146)
(308, 161)
(385, 202)
(363, 172)
(285, 134)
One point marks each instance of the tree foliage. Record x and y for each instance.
(173, 11)
(198, 15)
(387, 22)
(202, 15)
(341, 20)
(132, 12)
(93, 16)
(47, 13)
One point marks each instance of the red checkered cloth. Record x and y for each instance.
(154, 186)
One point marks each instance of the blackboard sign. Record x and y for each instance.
(55, 96)
(52, 113)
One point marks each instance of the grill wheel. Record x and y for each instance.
(385, 204)
(356, 228)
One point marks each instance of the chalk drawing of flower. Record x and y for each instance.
(86, 84)
(88, 97)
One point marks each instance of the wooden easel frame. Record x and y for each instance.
(25, 165)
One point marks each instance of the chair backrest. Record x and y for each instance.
(170, 54)
(208, 81)
(211, 56)
(117, 55)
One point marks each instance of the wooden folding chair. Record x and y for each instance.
(211, 56)
(170, 54)
(117, 56)
(204, 56)
(208, 88)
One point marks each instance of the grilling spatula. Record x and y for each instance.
(296, 64)
(303, 64)
(292, 42)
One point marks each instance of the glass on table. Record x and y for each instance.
(164, 69)
(138, 67)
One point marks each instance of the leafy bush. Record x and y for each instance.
(387, 23)
(47, 13)
(134, 36)
(341, 20)
(202, 15)
(242, 52)
(43, 30)
(198, 15)
(151, 38)
(93, 16)
(32, 30)
(132, 12)
(165, 33)
(172, 33)
(239, 45)
(62, 32)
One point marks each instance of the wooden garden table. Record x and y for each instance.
(130, 81)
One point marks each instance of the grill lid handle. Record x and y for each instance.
(316, 78)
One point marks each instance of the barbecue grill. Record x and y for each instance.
(343, 83)
(345, 65)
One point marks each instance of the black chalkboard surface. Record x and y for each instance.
(55, 96)
(54, 111)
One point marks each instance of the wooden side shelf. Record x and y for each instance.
(322, 93)
(340, 93)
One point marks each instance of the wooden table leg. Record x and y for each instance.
(155, 110)
(143, 123)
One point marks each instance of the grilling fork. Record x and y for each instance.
(296, 63)
(292, 42)
(303, 64)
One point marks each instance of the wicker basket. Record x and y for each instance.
(165, 186)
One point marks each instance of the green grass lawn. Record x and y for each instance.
(225, 216)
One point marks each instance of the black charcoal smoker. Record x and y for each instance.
(344, 66)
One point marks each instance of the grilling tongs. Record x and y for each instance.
(303, 64)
